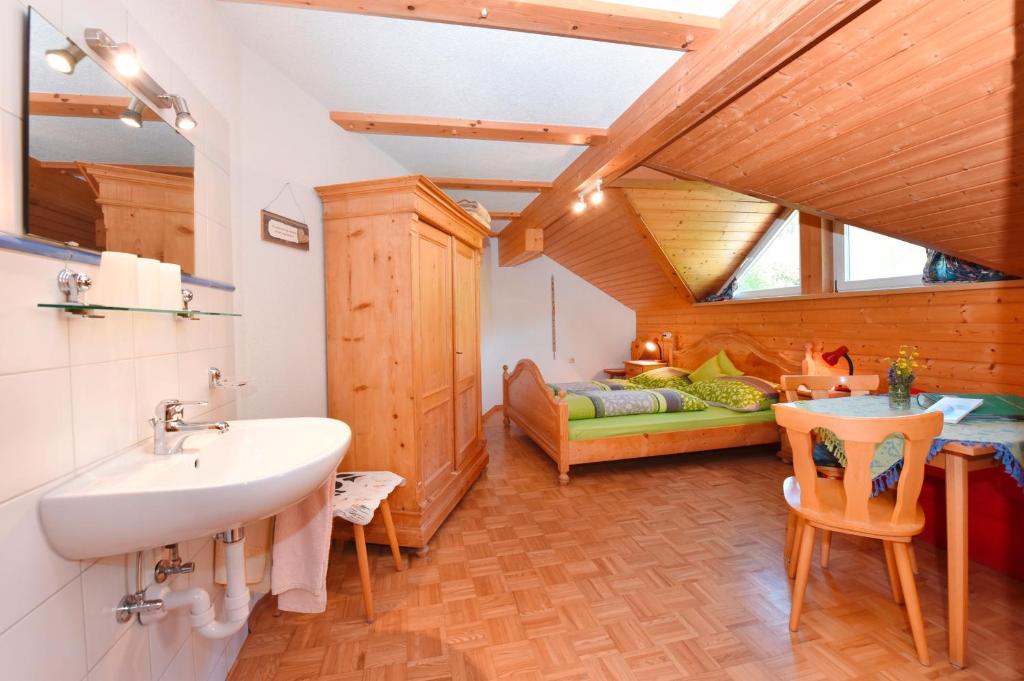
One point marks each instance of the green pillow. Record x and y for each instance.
(706, 371)
(651, 379)
(731, 394)
(726, 365)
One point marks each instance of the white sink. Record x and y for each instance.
(139, 500)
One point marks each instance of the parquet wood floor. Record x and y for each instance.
(652, 570)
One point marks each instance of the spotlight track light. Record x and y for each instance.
(183, 119)
(132, 116)
(598, 194)
(65, 59)
(580, 205)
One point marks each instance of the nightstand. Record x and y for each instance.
(635, 367)
(615, 372)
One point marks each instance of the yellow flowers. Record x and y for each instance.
(904, 365)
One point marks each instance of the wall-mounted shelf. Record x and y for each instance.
(88, 310)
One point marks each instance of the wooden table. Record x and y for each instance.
(958, 460)
(958, 457)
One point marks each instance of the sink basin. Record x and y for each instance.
(139, 500)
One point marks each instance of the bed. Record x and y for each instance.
(531, 405)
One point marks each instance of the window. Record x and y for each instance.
(866, 260)
(773, 267)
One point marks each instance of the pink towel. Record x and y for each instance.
(302, 544)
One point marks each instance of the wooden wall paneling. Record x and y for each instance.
(755, 40)
(704, 232)
(592, 20)
(971, 337)
(904, 121)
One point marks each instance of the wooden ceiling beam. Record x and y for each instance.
(81, 106)
(756, 40)
(589, 19)
(503, 215)
(467, 128)
(490, 185)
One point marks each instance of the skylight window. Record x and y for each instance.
(773, 267)
(866, 260)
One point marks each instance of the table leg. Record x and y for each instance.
(956, 556)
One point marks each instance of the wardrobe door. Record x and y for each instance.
(432, 310)
(467, 351)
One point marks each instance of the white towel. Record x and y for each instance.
(302, 546)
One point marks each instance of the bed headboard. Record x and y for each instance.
(749, 355)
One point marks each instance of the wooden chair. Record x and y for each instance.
(356, 498)
(846, 505)
(797, 387)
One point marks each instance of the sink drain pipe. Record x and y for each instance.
(201, 611)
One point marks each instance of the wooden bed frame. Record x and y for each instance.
(530, 404)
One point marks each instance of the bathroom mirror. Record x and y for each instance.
(102, 169)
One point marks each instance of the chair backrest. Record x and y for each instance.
(819, 386)
(860, 436)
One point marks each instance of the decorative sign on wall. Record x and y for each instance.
(282, 230)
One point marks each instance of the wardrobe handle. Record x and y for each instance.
(458, 352)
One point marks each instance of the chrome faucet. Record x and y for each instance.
(170, 429)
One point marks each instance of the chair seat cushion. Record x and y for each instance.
(358, 494)
(831, 515)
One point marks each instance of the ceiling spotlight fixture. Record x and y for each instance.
(132, 116)
(598, 194)
(183, 119)
(65, 59)
(122, 56)
(580, 205)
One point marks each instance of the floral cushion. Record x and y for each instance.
(736, 393)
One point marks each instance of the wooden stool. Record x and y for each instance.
(356, 497)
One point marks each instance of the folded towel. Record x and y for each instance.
(258, 538)
(302, 545)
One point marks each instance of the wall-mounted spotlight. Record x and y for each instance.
(65, 59)
(597, 196)
(580, 205)
(132, 116)
(121, 56)
(183, 119)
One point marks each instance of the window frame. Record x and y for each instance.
(762, 245)
(840, 256)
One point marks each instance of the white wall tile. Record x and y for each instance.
(194, 380)
(155, 334)
(10, 173)
(156, 378)
(103, 409)
(12, 32)
(103, 585)
(101, 340)
(48, 644)
(30, 570)
(182, 667)
(36, 444)
(127, 660)
(32, 337)
(167, 637)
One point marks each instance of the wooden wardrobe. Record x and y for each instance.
(402, 264)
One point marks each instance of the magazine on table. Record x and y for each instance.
(954, 409)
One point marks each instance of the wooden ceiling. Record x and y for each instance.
(611, 248)
(905, 121)
(704, 231)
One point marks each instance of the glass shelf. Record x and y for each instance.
(77, 308)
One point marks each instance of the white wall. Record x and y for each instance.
(74, 392)
(284, 135)
(593, 329)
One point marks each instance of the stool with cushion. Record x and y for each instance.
(848, 507)
(356, 497)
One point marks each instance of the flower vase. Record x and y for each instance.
(899, 394)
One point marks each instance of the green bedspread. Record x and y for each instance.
(712, 417)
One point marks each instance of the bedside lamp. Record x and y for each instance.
(842, 352)
(652, 350)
